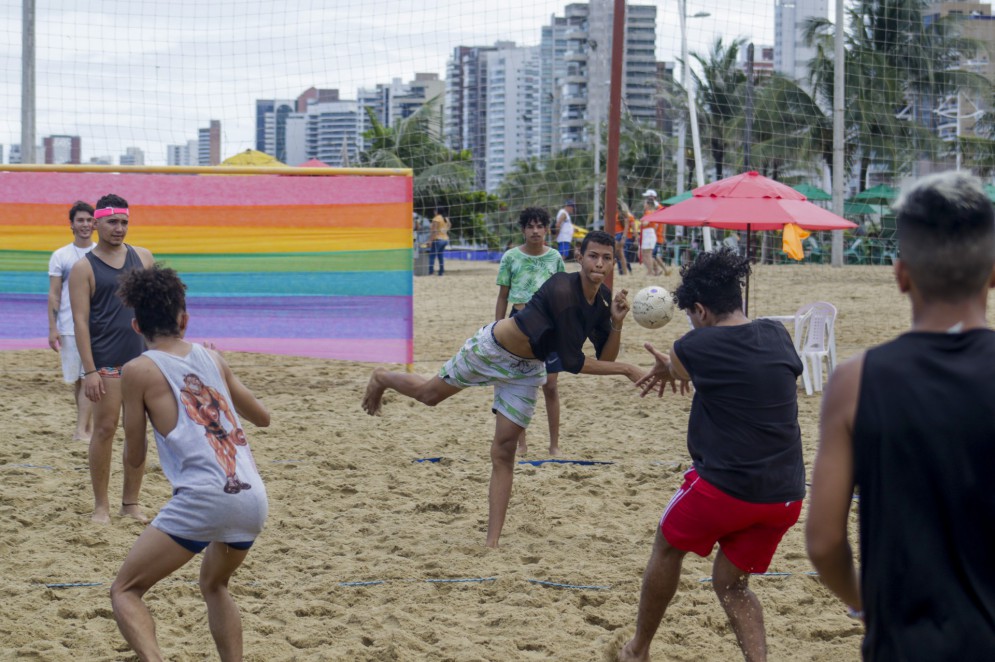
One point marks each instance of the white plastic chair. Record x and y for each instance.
(815, 340)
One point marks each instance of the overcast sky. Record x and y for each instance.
(151, 72)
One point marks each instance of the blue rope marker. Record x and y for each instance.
(74, 585)
(29, 466)
(768, 574)
(461, 581)
(573, 586)
(536, 463)
(373, 583)
(428, 459)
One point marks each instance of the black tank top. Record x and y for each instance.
(112, 340)
(924, 462)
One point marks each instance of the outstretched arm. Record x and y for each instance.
(832, 486)
(619, 309)
(667, 370)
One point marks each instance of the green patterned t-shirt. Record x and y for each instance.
(524, 274)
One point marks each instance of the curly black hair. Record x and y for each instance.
(530, 214)
(158, 296)
(715, 280)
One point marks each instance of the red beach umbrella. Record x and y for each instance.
(748, 202)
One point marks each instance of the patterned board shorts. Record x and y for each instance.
(483, 362)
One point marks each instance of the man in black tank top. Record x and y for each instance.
(106, 342)
(909, 423)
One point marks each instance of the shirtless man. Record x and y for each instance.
(509, 354)
(106, 342)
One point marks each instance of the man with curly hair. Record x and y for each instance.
(747, 481)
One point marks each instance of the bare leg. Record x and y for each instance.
(523, 446)
(132, 480)
(746, 616)
(83, 413)
(220, 562)
(660, 580)
(503, 447)
(154, 556)
(551, 393)
(106, 413)
(429, 391)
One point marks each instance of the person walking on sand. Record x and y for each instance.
(438, 239)
(909, 424)
(219, 503)
(61, 335)
(509, 354)
(747, 481)
(563, 229)
(106, 342)
(523, 270)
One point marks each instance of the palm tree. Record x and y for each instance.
(720, 93)
(443, 178)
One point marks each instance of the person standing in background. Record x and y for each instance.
(61, 335)
(438, 240)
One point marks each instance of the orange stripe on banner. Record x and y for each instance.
(226, 239)
(375, 215)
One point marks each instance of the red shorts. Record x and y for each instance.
(701, 515)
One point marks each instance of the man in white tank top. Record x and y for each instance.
(219, 504)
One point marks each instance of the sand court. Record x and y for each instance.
(371, 555)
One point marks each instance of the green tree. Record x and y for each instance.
(720, 96)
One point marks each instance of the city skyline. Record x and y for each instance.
(142, 86)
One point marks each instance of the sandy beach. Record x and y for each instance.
(359, 532)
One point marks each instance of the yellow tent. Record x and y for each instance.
(252, 157)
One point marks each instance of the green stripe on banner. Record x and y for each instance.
(389, 260)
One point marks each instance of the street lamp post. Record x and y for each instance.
(699, 166)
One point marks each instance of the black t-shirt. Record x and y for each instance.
(559, 319)
(923, 450)
(743, 432)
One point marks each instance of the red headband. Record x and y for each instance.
(110, 211)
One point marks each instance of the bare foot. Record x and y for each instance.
(626, 655)
(554, 450)
(81, 438)
(523, 448)
(133, 511)
(373, 398)
(100, 516)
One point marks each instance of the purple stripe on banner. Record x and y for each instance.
(397, 350)
(197, 190)
(300, 317)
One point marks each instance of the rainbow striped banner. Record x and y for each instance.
(317, 266)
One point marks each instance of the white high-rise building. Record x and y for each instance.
(512, 121)
(584, 85)
(132, 156)
(396, 101)
(552, 70)
(791, 55)
(331, 132)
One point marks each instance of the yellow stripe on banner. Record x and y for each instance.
(227, 240)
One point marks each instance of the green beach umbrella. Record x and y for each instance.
(853, 208)
(881, 194)
(680, 197)
(813, 193)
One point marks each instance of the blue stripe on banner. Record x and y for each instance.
(332, 283)
(25, 316)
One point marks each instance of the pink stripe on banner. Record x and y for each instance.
(393, 350)
(201, 190)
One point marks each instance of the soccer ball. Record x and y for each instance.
(653, 307)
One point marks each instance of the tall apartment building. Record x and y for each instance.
(209, 144)
(61, 149)
(466, 103)
(791, 55)
(327, 130)
(183, 155)
(552, 71)
(271, 122)
(132, 156)
(585, 84)
(395, 101)
(512, 121)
